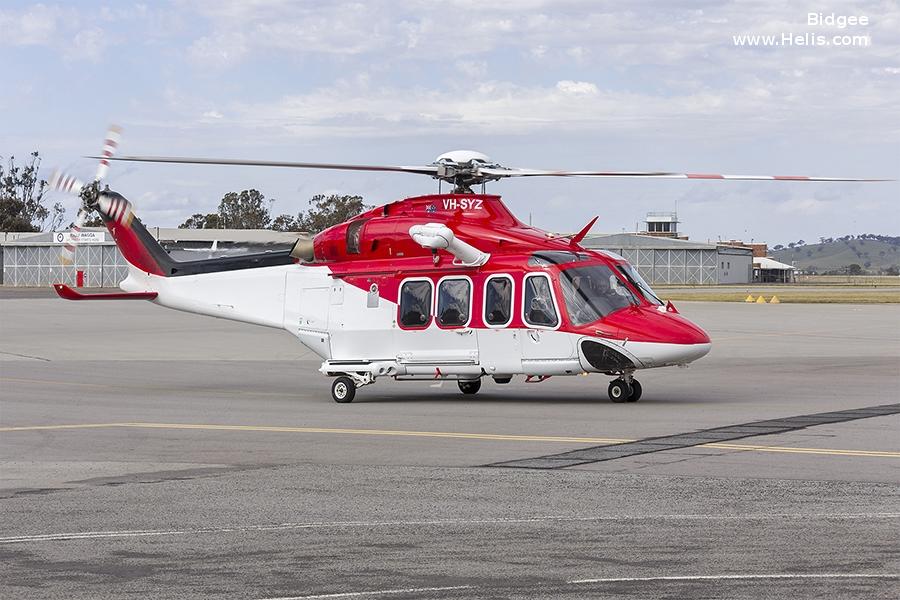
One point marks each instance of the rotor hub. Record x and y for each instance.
(462, 168)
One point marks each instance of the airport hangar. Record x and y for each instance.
(33, 259)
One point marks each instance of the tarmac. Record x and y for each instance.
(151, 453)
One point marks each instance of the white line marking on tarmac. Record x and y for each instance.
(740, 576)
(375, 593)
(661, 578)
(92, 535)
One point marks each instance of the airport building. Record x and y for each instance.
(659, 252)
(669, 260)
(662, 255)
(33, 259)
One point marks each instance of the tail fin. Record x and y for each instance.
(135, 243)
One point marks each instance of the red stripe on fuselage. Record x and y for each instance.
(642, 324)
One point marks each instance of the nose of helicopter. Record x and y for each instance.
(658, 338)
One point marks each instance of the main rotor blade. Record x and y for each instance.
(423, 170)
(502, 172)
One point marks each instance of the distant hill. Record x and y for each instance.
(873, 253)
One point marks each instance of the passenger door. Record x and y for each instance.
(499, 347)
(545, 349)
(433, 322)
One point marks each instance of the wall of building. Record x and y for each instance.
(735, 266)
(39, 265)
(677, 262)
(673, 266)
(660, 261)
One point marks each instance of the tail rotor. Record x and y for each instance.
(88, 193)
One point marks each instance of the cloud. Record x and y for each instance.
(35, 25)
(88, 44)
(801, 206)
(576, 87)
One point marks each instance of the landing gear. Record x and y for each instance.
(343, 389)
(469, 387)
(625, 389)
(619, 390)
(636, 391)
(502, 380)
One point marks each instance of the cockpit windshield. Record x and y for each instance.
(635, 279)
(592, 292)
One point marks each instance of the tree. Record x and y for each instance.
(22, 198)
(330, 210)
(200, 221)
(284, 223)
(245, 210)
(855, 269)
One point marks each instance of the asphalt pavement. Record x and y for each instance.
(154, 453)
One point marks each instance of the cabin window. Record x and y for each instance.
(498, 300)
(415, 304)
(635, 279)
(555, 257)
(539, 308)
(454, 299)
(354, 231)
(592, 292)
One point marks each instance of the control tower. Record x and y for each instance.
(661, 224)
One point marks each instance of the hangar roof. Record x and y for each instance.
(768, 263)
(631, 240)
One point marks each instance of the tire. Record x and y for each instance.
(502, 380)
(469, 387)
(343, 389)
(618, 390)
(635, 391)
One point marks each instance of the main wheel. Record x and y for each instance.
(469, 387)
(502, 379)
(619, 390)
(635, 391)
(343, 389)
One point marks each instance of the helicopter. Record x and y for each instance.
(447, 286)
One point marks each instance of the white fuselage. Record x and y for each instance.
(356, 331)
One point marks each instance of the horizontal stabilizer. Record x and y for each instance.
(68, 293)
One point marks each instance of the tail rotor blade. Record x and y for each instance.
(64, 182)
(71, 245)
(110, 145)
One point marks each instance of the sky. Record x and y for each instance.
(568, 84)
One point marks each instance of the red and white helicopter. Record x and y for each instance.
(445, 286)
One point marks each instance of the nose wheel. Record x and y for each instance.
(621, 390)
